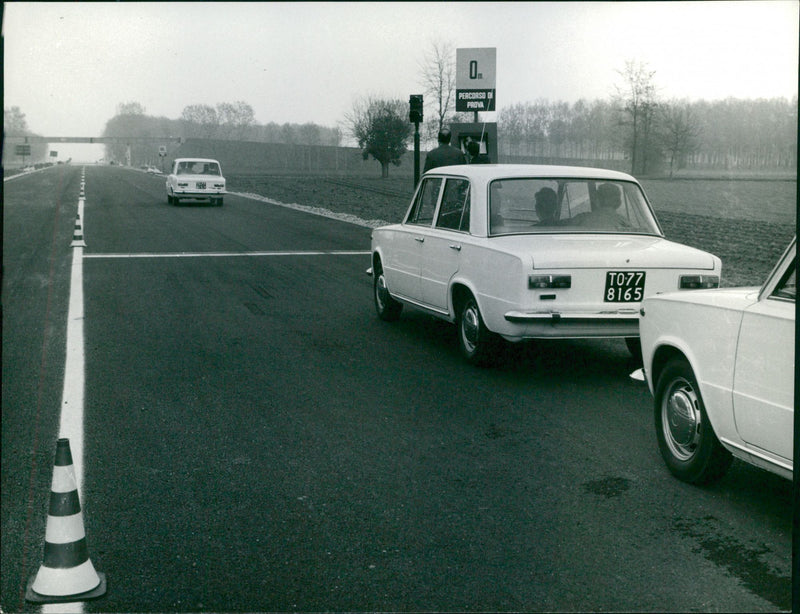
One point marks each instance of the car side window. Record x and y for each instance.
(422, 212)
(454, 210)
(787, 288)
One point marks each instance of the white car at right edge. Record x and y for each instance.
(720, 365)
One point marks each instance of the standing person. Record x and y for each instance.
(475, 155)
(445, 154)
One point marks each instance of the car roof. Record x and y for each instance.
(196, 160)
(487, 172)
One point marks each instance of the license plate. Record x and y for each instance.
(201, 185)
(624, 286)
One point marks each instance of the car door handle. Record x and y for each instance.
(456, 247)
(420, 239)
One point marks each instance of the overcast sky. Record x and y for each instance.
(68, 65)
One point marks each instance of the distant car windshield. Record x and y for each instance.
(539, 205)
(198, 168)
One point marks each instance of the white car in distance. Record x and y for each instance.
(195, 179)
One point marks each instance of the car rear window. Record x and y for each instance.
(568, 205)
(196, 167)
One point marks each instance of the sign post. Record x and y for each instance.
(22, 150)
(476, 80)
(475, 91)
(415, 104)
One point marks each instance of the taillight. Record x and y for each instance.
(544, 282)
(698, 282)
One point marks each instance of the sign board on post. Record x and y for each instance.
(475, 79)
(22, 150)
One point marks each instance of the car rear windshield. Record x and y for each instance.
(538, 205)
(194, 167)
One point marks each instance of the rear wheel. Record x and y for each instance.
(388, 309)
(478, 345)
(686, 439)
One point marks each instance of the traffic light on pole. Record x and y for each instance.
(415, 102)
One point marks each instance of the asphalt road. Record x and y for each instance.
(257, 440)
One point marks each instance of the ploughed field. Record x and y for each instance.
(747, 223)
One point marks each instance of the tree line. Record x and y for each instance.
(635, 125)
(225, 121)
(722, 134)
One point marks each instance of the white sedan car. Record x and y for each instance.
(523, 252)
(720, 365)
(195, 179)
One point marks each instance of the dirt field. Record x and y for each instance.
(748, 224)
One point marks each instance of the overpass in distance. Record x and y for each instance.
(19, 145)
(91, 139)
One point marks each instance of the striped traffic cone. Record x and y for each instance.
(67, 573)
(77, 234)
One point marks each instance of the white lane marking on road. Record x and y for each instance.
(228, 254)
(72, 398)
(74, 376)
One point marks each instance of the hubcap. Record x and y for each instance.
(680, 415)
(469, 327)
(381, 292)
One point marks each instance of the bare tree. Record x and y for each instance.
(381, 129)
(438, 70)
(130, 108)
(235, 119)
(14, 123)
(637, 97)
(680, 132)
(201, 120)
(310, 134)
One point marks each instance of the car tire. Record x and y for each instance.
(478, 345)
(388, 309)
(218, 202)
(176, 201)
(685, 436)
(169, 199)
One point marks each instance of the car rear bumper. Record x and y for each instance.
(198, 195)
(539, 325)
(194, 194)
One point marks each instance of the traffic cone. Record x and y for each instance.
(77, 234)
(67, 573)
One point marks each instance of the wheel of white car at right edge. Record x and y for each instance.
(478, 344)
(686, 439)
